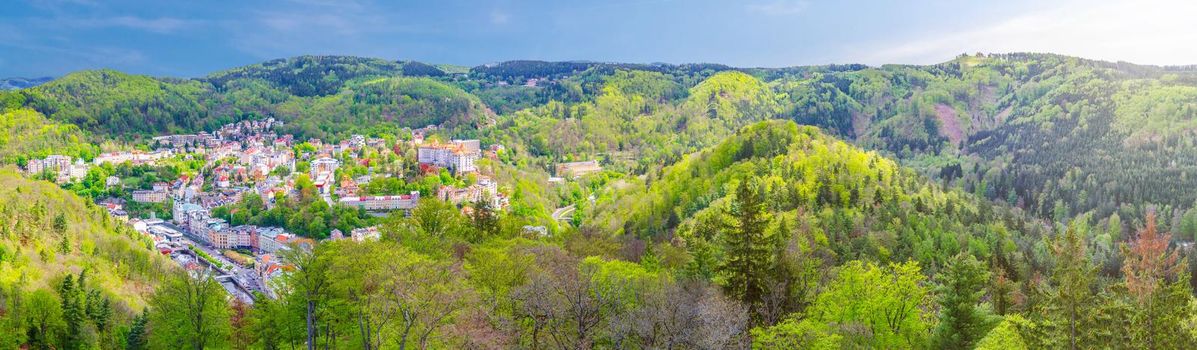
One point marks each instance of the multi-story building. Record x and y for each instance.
(149, 196)
(324, 165)
(59, 166)
(181, 212)
(458, 156)
(135, 157)
(322, 172)
(214, 231)
(244, 236)
(384, 203)
(273, 239)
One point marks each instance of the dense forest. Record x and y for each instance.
(70, 275)
(1023, 201)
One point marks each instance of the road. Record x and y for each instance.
(564, 213)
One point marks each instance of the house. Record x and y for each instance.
(112, 181)
(347, 188)
(365, 233)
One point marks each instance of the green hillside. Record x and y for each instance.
(1049, 133)
(307, 76)
(26, 134)
(384, 105)
(1055, 135)
(48, 236)
(858, 204)
(118, 104)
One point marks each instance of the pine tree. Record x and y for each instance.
(73, 310)
(1070, 296)
(961, 322)
(1001, 291)
(748, 250)
(60, 223)
(136, 339)
(485, 219)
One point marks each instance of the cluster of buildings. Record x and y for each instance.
(59, 166)
(134, 157)
(357, 235)
(200, 226)
(484, 189)
(183, 141)
(227, 132)
(242, 159)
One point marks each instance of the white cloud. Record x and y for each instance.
(1146, 32)
(778, 7)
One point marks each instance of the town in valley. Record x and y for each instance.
(187, 215)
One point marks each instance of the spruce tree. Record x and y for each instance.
(961, 322)
(73, 310)
(748, 250)
(1070, 297)
(136, 338)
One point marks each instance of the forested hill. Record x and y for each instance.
(76, 274)
(821, 194)
(321, 96)
(1059, 136)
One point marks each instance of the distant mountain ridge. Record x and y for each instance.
(22, 83)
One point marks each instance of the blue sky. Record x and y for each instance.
(193, 38)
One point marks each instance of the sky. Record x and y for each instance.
(194, 38)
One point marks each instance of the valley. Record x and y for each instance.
(989, 201)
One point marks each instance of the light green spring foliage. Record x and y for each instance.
(26, 134)
(1155, 110)
(877, 306)
(1007, 335)
(828, 185)
(396, 102)
(48, 234)
(189, 312)
(794, 334)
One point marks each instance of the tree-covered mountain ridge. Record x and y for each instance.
(856, 204)
(1060, 136)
